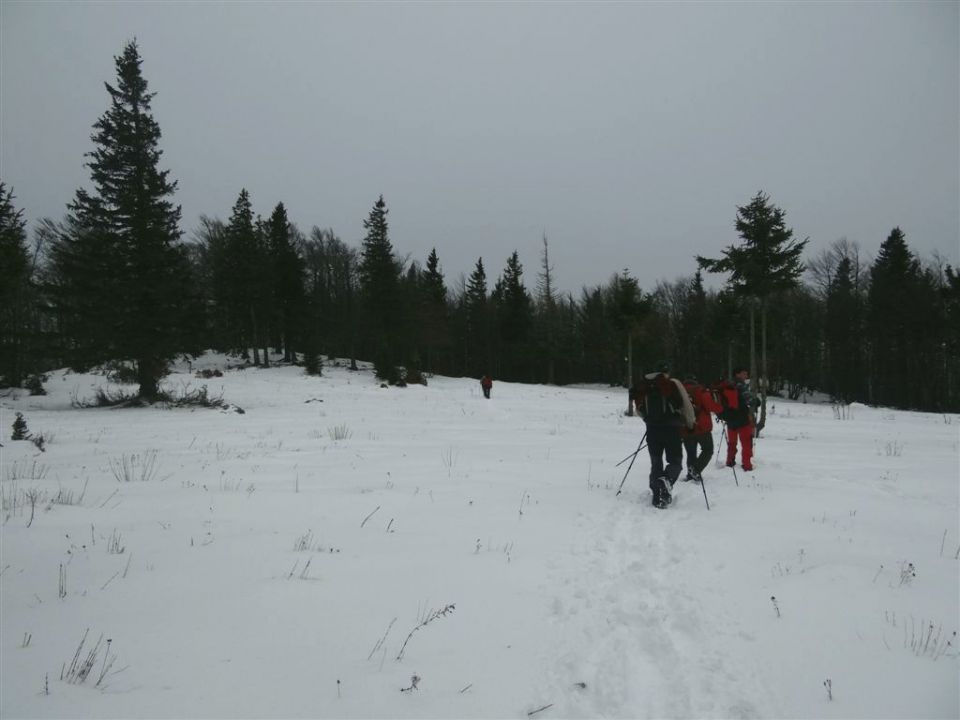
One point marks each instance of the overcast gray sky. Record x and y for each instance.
(627, 132)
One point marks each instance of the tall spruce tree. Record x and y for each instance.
(287, 278)
(245, 277)
(435, 317)
(123, 276)
(476, 304)
(892, 301)
(379, 285)
(15, 261)
(768, 262)
(843, 334)
(514, 310)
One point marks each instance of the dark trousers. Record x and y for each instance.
(486, 393)
(703, 443)
(664, 440)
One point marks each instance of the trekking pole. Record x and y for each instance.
(620, 489)
(734, 466)
(631, 455)
(723, 429)
(703, 485)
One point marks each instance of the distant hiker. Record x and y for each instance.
(700, 437)
(739, 418)
(486, 383)
(665, 407)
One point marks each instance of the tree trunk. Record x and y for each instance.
(763, 383)
(254, 338)
(629, 373)
(148, 375)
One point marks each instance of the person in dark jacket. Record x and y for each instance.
(698, 441)
(665, 407)
(486, 384)
(740, 422)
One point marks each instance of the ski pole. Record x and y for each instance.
(703, 484)
(620, 489)
(631, 455)
(734, 466)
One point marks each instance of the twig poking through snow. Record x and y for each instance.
(539, 709)
(775, 606)
(414, 681)
(369, 516)
(828, 684)
(433, 615)
(381, 640)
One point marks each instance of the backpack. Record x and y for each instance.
(735, 413)
(658, 402)
(729, 400)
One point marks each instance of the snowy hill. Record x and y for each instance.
(310, 556)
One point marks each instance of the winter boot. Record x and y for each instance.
(666, 495)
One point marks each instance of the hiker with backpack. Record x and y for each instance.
(665, 408)
(486, 384)
(738, 404)
(698, 441)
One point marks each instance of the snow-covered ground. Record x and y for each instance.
(310, 556)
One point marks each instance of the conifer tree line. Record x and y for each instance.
(116, 279)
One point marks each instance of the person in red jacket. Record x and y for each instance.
(740, 420)
(485, 384)
(700, 437)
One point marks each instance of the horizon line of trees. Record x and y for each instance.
(114, 280)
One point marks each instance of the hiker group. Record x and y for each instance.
(678, 417)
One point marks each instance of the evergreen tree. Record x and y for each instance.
(244, 279)
(514, 310)
(123, 276)
(14, 279)
(599, 350)
(843, 334)
(694, 332)
(629, 309)
(435, 321)
(950, 297)
(286, 277)
(768, 262)
(477, 318)
(892, 304)
(379, 280)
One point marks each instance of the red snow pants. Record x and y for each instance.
(745, 434)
